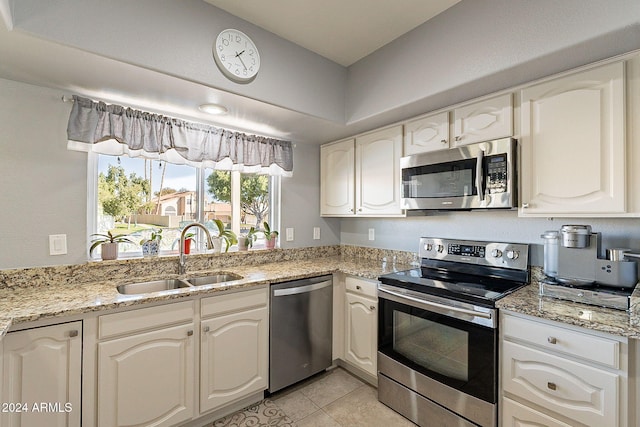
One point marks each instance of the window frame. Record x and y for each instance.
(92, 204)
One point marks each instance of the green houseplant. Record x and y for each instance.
(109, 244)
(270, 235)
(245, 241)
(226, 236)
(151, 246)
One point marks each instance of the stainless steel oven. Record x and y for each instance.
(475, 176)
(438, 331)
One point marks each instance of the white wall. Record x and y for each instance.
(43, 187)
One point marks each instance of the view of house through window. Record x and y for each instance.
(137, 197)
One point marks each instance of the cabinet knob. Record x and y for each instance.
(525, 205)
(552, 340)
(189, 333)
(372, 307)
(458, 138)
(552, 386)
(205, 329)
(444, 141)
(350, 209)
(73, 333)
(359, 209)
(358, 287)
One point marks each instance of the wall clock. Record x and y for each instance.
(236, 55)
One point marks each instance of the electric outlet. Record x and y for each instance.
(372, 234)
(57, 244)
(289, 232)
(316, 233)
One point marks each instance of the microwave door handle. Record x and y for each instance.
(480, 174)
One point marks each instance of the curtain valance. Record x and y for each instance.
(116, 130)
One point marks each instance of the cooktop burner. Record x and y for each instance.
(463, 270)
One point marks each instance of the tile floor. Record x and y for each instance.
(333, 399)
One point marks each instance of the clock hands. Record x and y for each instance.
(238, 56)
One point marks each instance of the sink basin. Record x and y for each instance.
(213, 279)
(152, 286)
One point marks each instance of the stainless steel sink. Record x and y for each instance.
(213, 279)
(152, 286)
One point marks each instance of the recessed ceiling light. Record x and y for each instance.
(213, 108)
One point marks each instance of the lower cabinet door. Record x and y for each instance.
(234, 357)
(582, 393)
(42, 375)
(147, 379)
(361, 333)
(515, 414)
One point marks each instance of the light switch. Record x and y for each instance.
(316, 233)
(57, 244)
(289, 232)
(372, 234)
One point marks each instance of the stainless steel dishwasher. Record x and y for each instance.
(300, 330)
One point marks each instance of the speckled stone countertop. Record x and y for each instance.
(617, 322)
(45, 299)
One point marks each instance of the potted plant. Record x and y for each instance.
(270, 235)
(226, 236)
(188, 238)
(151, 246)
(245, 241)
(108, 243)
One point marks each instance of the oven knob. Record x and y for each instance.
(428, 247)
(440, 248)
(496, 253)
(511, 254)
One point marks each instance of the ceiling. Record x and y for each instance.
(336, 29)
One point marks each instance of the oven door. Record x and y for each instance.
(452, 343)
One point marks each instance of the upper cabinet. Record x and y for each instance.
(573, 144)
(476, 122)
(361, 176)
(483, 121)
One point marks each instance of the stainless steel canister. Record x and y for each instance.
(551, 243)
(576, 236)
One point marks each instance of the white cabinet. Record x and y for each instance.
(483, 121)
(147, 379)
(361, 325)
(361, 176)
(573, 144)
(337, 171)
(559, 376)
(234, 352)
(42, 366)
(426, 134)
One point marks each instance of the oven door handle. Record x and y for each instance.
(434, 306)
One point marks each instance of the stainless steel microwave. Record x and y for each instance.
(475, 176)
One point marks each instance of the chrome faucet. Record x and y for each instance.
(183, 258)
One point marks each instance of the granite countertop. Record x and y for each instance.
(44, 301)
(617, 322)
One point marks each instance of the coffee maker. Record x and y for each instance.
(580, 264)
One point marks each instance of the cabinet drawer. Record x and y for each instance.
(588, 347)
(237, 301)
(515, 414)
(579, 392)
(361, 286)
(111, 325)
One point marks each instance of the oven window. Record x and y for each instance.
(435, 346)
(456, 179)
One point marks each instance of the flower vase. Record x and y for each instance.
(109, 251)
(187, 246)
(271, 243)
(150, 248)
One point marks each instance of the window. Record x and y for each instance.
(136, 196)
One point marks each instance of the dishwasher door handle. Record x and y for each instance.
(302, 289)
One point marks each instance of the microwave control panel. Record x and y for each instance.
(497, 174)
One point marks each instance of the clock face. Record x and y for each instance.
(236, 56)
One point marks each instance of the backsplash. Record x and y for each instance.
(168, 265)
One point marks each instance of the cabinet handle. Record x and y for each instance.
(73, 333)
(552, 386)
(552, 340)
(189, 333)
(444, 141)
(372, 308)
(205, 329)
(358, 287)
(458, 138)
(525, 205)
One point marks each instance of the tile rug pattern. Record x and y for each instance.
(264, 413)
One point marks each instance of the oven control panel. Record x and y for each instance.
(496, 254)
